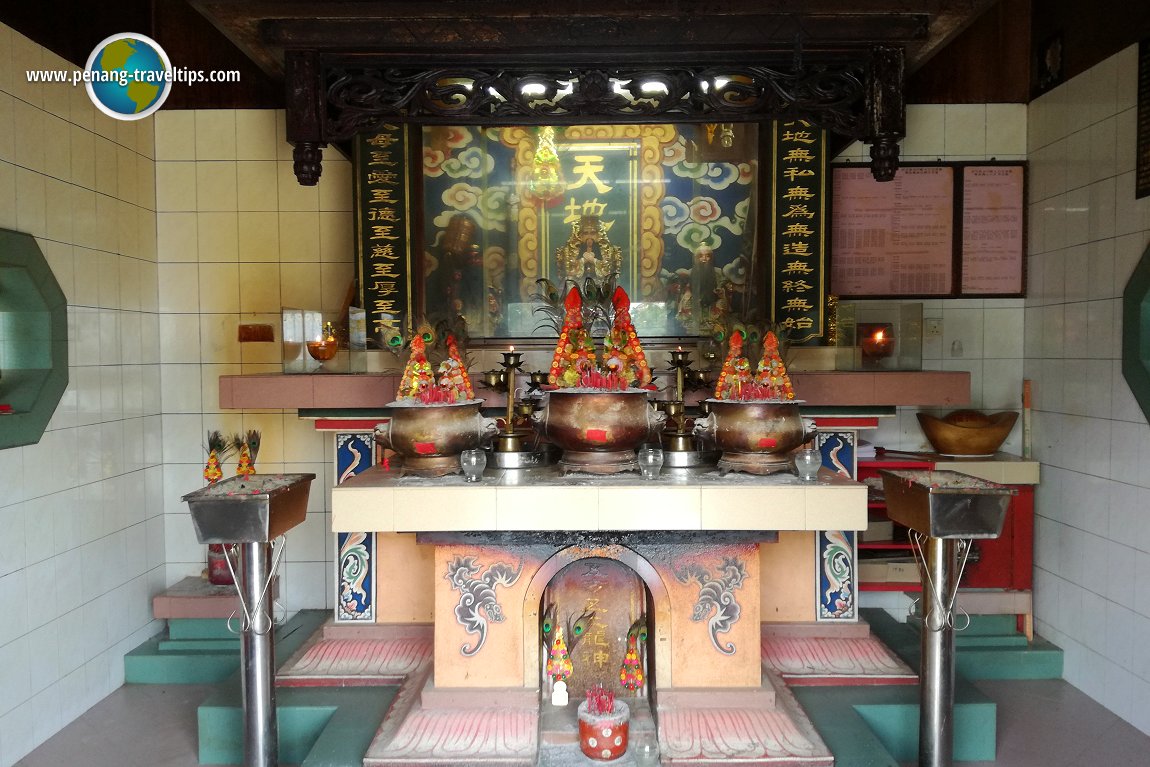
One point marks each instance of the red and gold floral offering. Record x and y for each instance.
(597, 409)
(754, 418)
(435, 416)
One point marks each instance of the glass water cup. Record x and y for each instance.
(650, 462)
(473, 462)
(807, 464)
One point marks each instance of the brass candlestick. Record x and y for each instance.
(493, 379)
(536, 381)
(509, 441)
(681, 362)
(680, 447)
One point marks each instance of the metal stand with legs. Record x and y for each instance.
(251, 514)
(257, 651)
(257, 654)
(944, 510)
(936, 681)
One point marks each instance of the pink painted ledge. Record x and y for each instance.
(375, 390)
(942, 388)
(303, 391)
(194, 597)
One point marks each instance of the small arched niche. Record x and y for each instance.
(620, 587)
(599, 609)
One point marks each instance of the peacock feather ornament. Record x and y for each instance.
(559, 664)
(631, 672)
(248, 447)
(217, 450)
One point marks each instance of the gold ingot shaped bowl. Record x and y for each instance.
(967, 432)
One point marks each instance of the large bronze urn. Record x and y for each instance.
(599, 430)
(755, 437)
(429, 438)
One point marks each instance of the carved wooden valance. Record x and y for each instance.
(333, 97)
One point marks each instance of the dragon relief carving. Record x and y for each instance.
(716, 602)
(477, 600)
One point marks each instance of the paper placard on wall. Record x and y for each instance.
(893, 238)
(938, 230)
(992, 230)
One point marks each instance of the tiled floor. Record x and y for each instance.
(1044, 723)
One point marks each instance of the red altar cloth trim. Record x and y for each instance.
(347, 424)
(846, 422)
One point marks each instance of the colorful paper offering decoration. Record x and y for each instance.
(575, 363)
(248, 446)
(218, 449)
(448, 385)
(559, 665)
(770, 381)
(631, 672)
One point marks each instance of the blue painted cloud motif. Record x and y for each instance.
(355, 567)
(699, 221)
(675, 214)
(472, 162)
(716, 175)
(693, 234)
(487, 206)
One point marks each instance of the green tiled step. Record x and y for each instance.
(1016, 640)
(201, 628)
(318, 726)
(221, 645)
(147, 664)
(877, 726)
(991, 625)
(848, 736)
(203, 651)
(990, 648)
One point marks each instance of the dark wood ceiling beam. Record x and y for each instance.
(264, 29)
(778, 32)
(309, 10)
(947, 23)
(544, 57)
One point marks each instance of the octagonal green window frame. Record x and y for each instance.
(33, 340)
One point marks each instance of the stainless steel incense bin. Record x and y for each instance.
(251, 512)
(943, 509)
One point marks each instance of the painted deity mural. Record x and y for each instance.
(513, 212)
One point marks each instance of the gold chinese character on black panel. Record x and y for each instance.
(383, 236)
(798, 225)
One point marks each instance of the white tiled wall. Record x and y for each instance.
(166, 237)
(238, 239)
(81, 512)
(1092, 536)
(982, 336)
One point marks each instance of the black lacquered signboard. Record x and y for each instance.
(798, 205)
(383, 229)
